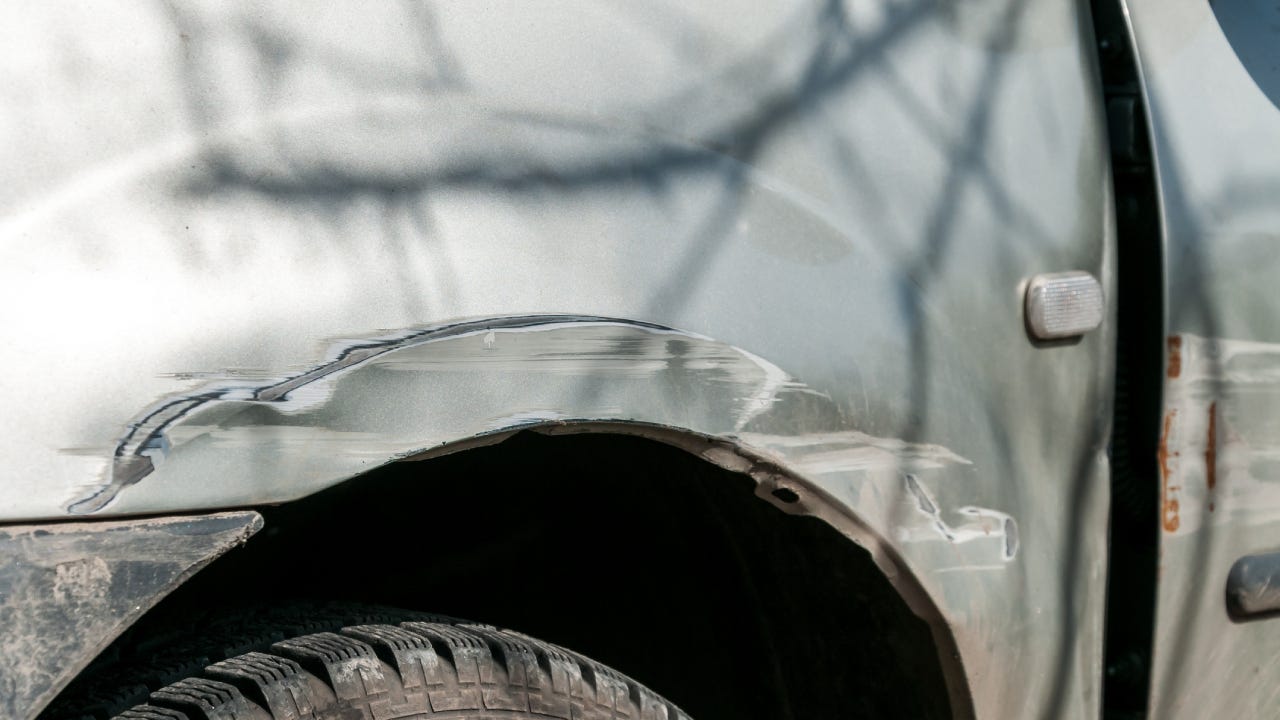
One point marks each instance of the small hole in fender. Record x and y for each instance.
(786, 495)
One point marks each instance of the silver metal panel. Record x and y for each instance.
(1220, 501)
(67, 590)
(1212, 72)
(218, 196)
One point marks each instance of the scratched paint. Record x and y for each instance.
(879, 468)
(977, 523)
(818, 454)
(146, 442)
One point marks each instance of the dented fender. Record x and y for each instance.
(428, 391)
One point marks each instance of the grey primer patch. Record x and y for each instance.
(145, 437)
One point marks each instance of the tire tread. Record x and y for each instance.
(422, 668)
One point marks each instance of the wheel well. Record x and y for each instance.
(635, 553)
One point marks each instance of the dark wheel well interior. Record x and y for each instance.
(635, 553)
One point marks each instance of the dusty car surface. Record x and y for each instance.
(810, 359)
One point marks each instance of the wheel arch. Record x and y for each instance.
(378, 402)
(708, 489)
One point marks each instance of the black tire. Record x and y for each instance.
(437, 668)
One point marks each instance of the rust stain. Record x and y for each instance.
(1168, 504)
(1169, 516)
(1211, 450)
(1163, 453)
(1175, 356)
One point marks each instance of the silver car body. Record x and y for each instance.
(250, 253)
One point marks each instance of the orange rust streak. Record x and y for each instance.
(1175, 356)
(1211, 449)
(1168, 505)
(1163, 453)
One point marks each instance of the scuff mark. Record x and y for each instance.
(846, 451)
(1175, 357)
(528, 417)
(776, 380)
